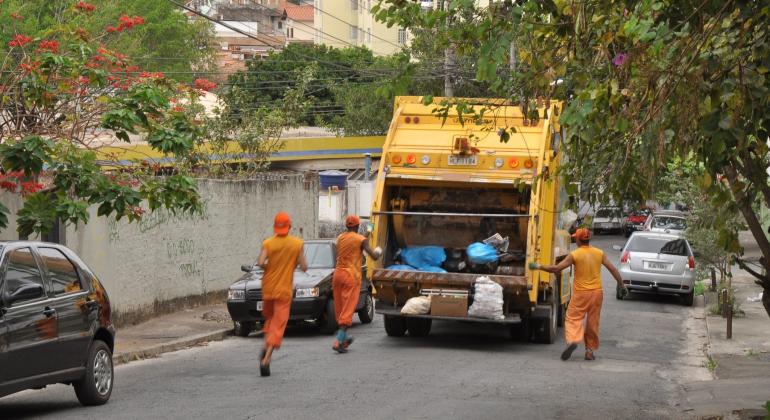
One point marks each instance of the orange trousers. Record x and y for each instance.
(276, 313)
(584, 304)
(346, 290)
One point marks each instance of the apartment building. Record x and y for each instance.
(345, 23)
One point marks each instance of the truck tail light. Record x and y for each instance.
(691, 262)
(529, 164)
(396, 159)
(416, 120)
(626, 258)
(513, 163)
(408, 120)
(411, 159)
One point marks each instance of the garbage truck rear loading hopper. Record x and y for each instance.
(450, 183)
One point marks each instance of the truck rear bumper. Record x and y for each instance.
(383, 308)
(384, 277)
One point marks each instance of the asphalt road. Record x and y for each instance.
(460, 371)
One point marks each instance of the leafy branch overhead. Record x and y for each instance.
(65, 94)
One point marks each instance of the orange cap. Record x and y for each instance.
(352, 221)
(282, 223)
(582, 234)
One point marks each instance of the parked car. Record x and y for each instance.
(55, 324)
(313, 298)
(607, 219)
(658, 263)
(635, 221)
(667, 221)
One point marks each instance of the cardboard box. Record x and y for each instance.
(449, 306)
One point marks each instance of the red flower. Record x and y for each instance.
(111, 29)
(205, 84)
(84, 80)
(30, 187)
(8, 186)
(29, 67)
(151, 75)
(52, 46)
(86, 7)
(178, 108)
(126, 22)
(16, 16)
(19, 41)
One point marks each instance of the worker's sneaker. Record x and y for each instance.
(348, 341)
(264, 369)
(340, 348)
(590, 354)
(568, 351)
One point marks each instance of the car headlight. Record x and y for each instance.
(236, 294)
(305, 293)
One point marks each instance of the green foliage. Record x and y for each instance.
(699, 288)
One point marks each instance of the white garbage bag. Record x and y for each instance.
(419, 305)
(487, 300)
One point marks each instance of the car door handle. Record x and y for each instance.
(48, 312)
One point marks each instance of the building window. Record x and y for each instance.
(290, 32)
(353, 4)
(280, 25)
(402, 36)
(353, 32)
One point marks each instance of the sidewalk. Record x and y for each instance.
(741, 365)
(172, 332)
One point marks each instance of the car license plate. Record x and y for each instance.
(657, 266)
(259, 305)
(462, 160)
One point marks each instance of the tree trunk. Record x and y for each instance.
(766, 299)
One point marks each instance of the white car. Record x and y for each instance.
(607, 219)
(673, 222)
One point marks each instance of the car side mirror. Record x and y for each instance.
(247, 268)
(26, 292)
(617, 247)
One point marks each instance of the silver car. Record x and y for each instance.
(666, 222)
(658, 263)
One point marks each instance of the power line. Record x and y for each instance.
(349, 23)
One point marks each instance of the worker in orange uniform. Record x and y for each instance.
(279, 257)
(346, 282)
(587, 296)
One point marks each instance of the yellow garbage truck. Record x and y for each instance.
(447, 182)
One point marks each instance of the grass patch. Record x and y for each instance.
(699, 288)
(711, 364)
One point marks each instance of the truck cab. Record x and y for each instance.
(448, 182)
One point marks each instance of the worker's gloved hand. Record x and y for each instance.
(624, 291)
(377, 253)
(534, 266)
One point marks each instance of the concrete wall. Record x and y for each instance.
(166, 257)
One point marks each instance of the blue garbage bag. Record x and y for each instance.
(423, 256)
(481, 253)
(432, 269)
(402, 267)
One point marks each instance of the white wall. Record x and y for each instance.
(166, 256)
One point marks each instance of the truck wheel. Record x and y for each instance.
(95, 387)
(562, 314)
(544, 324)
(688, 299)
(395, 326)
(366, 314)
(242, 328)
(418, 327)
(522, 331)
(328, 322)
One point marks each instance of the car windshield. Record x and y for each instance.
(319, 255)
(669, 222)
(659, 246)
(641, 213)
(608, 213)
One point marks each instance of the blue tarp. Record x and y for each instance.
(480, 253)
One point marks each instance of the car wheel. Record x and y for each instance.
(243, 328)
(395, 326)
(95, 387)
(688, 298)
(418, 327)
(328, 322)
(366, 314)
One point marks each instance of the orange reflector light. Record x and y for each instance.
(416, 120)
(528, 163)
(411, 159)
(396, 159)
(408, 119)
(513, 163)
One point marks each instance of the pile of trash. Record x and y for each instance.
(487, 300)
(490, 256)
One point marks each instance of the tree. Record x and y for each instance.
(168, 41)
(63, 95)
(645, 81)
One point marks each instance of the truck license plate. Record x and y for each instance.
(462, 160)
(259, 305)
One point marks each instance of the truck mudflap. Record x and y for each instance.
(406, 279)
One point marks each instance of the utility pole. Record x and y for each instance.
(449, 60)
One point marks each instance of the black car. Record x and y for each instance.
(55, 324)
(312, 300)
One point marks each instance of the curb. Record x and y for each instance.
(183, 343)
